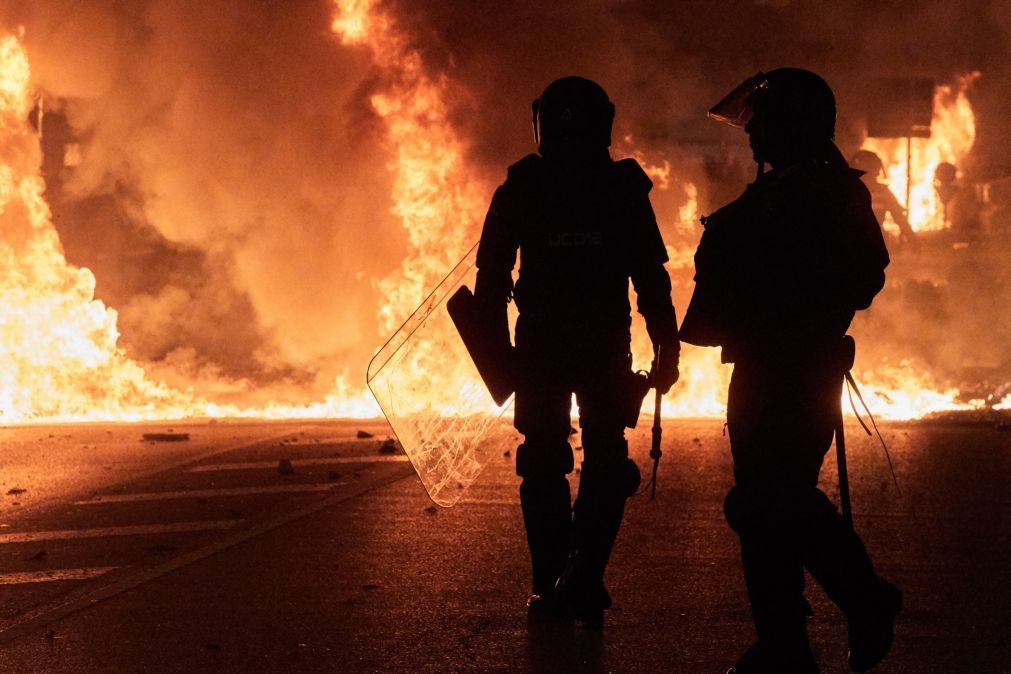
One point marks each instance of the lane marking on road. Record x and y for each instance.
(209, 493)
(87, 596)
(272, 465)
(136, 530)
(54, 575)
(248, 443)
(489, 501)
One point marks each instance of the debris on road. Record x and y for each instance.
(15, 491)
(507, 453)
(166, 437)
(284, 467)
(389, 446)
(333, 475)
(363, 435)
(40, 555)
(431, 510)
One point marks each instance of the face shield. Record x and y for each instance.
(738, 107)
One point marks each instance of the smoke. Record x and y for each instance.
(233, 191)
(665, 63)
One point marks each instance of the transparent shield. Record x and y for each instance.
(431, 393)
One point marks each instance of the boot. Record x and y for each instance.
(774, 577)
(872, 629)
(547, 515)
(582, 596)
(838, 560)
(597, 515)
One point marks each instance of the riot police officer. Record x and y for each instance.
(583, 226)
(780, 273)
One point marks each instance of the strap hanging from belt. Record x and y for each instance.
(851, 388)
(840, 447)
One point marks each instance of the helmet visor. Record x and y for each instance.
(738, 107)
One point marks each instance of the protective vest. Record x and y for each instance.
(781, 270)
(582, 230)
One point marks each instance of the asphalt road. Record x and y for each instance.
(207, 555)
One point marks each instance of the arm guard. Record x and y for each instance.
(653, 289)
(496, 255)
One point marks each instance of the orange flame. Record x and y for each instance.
(952, 133)
(59, 354)
(59, 357)
(59, 345)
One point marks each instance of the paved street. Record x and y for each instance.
(282, 547)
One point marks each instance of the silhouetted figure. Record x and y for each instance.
(883, 200)
(946, 185)
(780, 273)
(584, 226)
(959, 201)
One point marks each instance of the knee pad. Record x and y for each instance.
(633, 478)
(549, 459)
(734, 509)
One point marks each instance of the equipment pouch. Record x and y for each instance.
(636, 388)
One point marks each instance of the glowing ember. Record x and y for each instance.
(952, 132)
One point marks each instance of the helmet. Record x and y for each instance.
(789, 99)
(573, 109)
(869, 163)
(945, 173)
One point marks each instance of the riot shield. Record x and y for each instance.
(432, 394)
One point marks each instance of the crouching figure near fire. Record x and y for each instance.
(583, 226)
(780, 273)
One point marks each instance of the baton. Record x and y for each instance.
(655, 452)
(844, 479)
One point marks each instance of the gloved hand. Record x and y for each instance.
(663, 373)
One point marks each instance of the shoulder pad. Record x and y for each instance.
(633, 175)
(525, 168)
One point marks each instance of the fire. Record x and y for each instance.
(438, 203)
(59, 357)
(59, 354)
(61, 360)
(952, 133)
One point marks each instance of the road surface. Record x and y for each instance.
(210, 554)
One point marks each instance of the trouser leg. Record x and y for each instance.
(604, 486)
(543, 461)
(773, 567)
(608, 477)
(836, 557)
(776, 439)
(546, 503)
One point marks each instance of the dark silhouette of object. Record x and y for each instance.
(780, 273)
(883, 200)
(583, 226)
(960, 202)
(945, 185)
